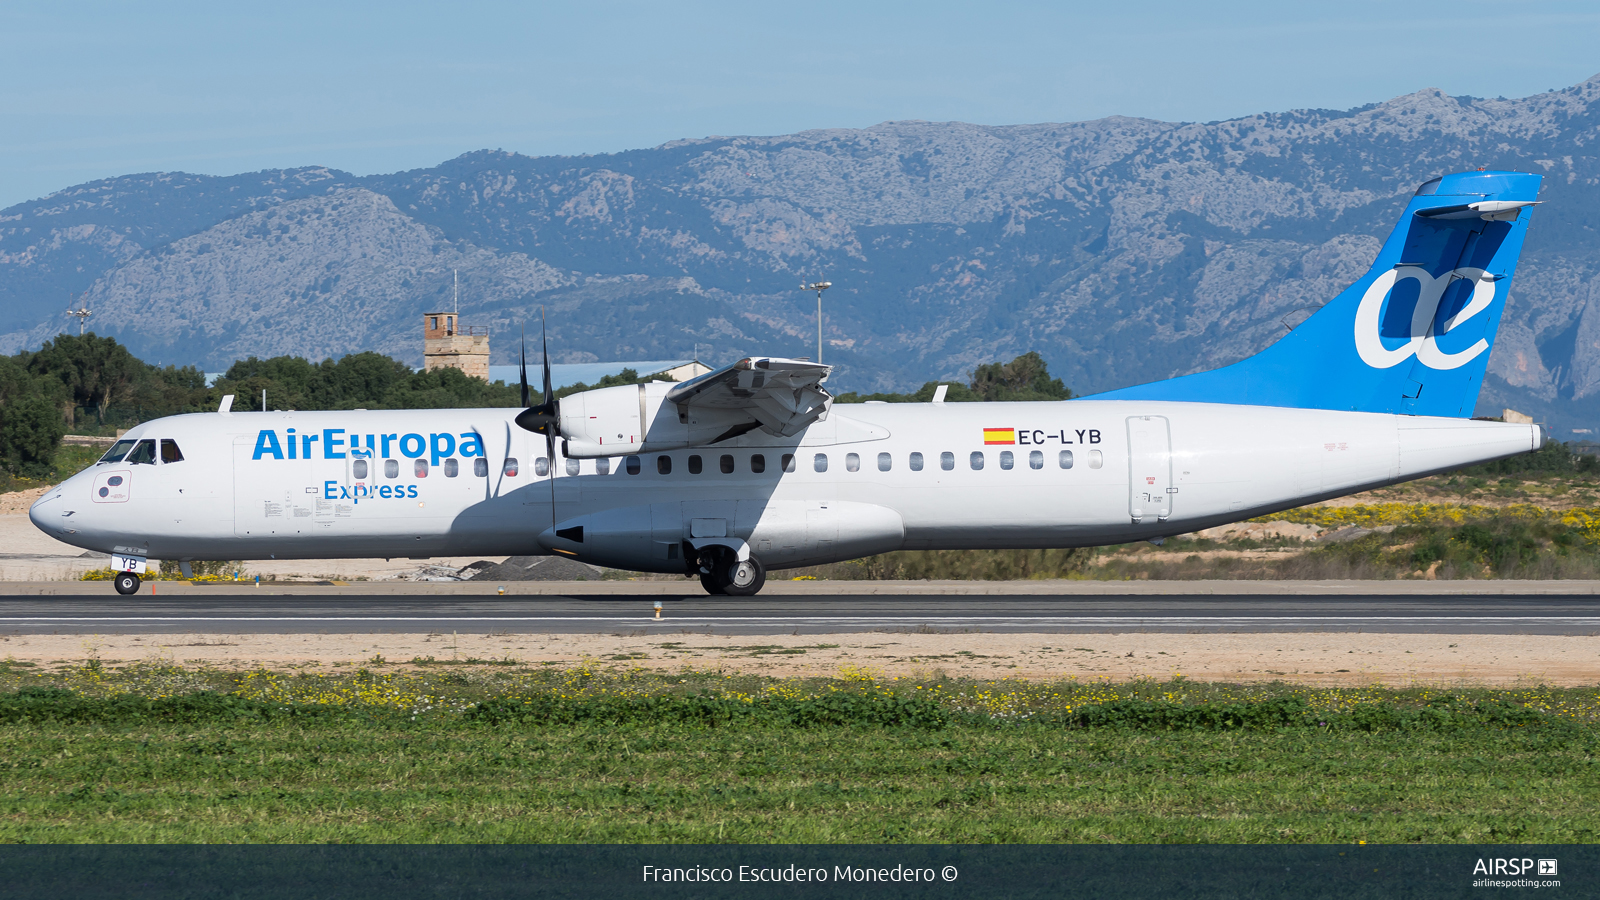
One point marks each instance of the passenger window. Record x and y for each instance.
(1096, 459)
(358, 469)
(391, 468)
(916, 462)
(885, 462)
(1035, 459)
(480, 468)
(421, 468)
(144, 453)
(852, 462)
(602, 466)
(1007, 460)
(572, 467)
(976, 460)
(664, 465)
(633, 465)
(509, 468)
(117, 452)
(1065, 459)
(820, 463)
(788, 462)
(726, 464)
(170, 452)
(452, 467)
(541, 467)
(758, 463)
(947, 460)
(695, 466)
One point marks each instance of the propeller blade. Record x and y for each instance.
(524, 364)
(544, 418)
(545, 338)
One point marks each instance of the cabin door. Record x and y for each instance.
(1150, 484)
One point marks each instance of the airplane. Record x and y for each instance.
(753, 468)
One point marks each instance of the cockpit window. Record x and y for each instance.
(117, 452)
(144, 453)
(170, 452)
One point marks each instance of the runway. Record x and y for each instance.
(577, 613)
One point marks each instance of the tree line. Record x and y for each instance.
(1025, 378)
(79, 383)
(89, 384)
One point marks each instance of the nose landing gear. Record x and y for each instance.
(126, 583)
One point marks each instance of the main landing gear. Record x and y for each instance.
(724, 574)
(126, 583)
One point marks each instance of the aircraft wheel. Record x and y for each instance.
(712, 582)
(126, 583)
(746, 578)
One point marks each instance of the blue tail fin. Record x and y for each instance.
(1413, 335)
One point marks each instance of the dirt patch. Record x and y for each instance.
(1260, 531)
(16, 503)
(1310, 658)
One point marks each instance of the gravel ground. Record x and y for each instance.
(1396, 660)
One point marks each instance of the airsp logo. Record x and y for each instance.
(1423, 342)
(1512, 866)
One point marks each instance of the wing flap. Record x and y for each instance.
(782, 395)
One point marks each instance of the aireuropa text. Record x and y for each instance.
(770, 874)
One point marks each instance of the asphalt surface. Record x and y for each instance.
(612, 613)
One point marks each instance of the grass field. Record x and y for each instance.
(488, 754)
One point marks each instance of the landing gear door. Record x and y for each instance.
(1150, 484)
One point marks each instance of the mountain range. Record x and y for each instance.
(1123, 250)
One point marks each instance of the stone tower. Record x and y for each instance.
(446, 342)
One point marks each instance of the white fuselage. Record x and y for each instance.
(457, 482)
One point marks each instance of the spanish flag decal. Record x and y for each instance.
(999, 435)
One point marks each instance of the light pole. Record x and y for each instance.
(82, 312)
(819, 287)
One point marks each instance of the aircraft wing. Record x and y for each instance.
(782, 396)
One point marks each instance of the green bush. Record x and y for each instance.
(170, 568)
(1554, 458)
(1026, 377)
(1502, 548)
(1289, 712)
(830, 710)
(55, 705)
(955, 565)
(837, 709)
(30, 434)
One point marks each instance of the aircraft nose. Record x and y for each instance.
(45, 511)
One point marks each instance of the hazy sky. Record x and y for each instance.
(92, 89)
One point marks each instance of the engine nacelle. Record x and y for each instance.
(607, 422)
